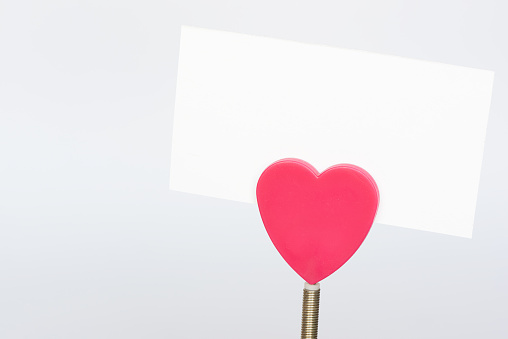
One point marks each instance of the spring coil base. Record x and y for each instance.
(310, 314)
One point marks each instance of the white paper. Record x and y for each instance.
(417, 127)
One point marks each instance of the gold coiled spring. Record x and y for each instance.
(310, 312)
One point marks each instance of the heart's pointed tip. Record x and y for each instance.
(313, 278)
(312, 287)
(312, 281)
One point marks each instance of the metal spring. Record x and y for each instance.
(310, 314)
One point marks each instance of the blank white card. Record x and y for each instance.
(417, 127)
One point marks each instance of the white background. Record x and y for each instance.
(94, 245)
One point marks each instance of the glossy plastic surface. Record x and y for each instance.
(316, 221)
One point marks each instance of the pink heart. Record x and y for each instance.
(316, 221)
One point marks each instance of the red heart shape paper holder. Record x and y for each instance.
(316, 221)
